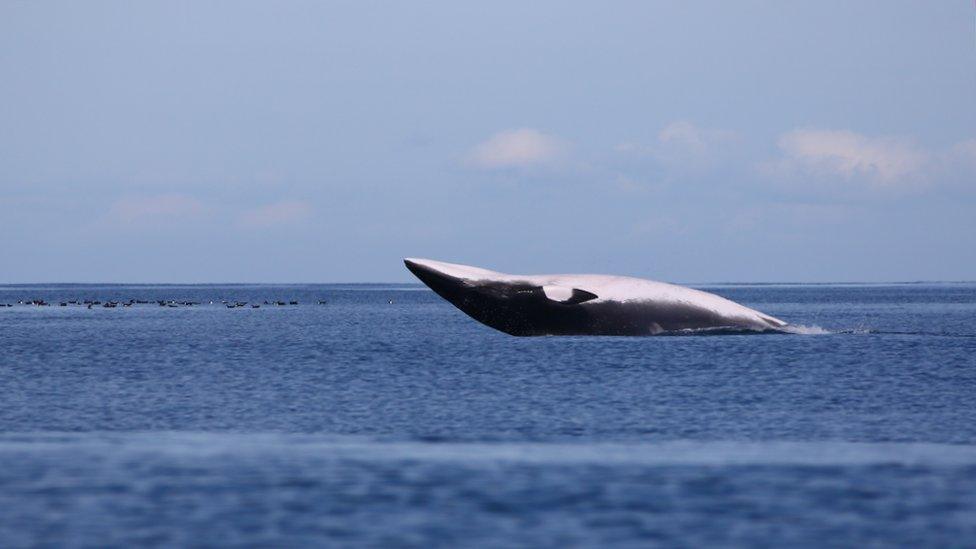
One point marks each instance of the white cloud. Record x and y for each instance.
(843, 154)
(279, 213)
(810, 160)
(519, 148)
(154, 208)
(687, 136)
(963, 154)
(685, 148)
(682, 136)
(628, 184)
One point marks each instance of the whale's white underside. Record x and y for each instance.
(609, 288)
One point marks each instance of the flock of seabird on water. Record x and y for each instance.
(172, 303)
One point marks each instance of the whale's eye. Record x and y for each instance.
(567, 295)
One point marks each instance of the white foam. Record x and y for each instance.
(805, 330)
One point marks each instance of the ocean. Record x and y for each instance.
(385, 417)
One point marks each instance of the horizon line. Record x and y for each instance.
(367, 283)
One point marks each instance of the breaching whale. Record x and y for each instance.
(536, 305)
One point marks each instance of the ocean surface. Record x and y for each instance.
(386, 417)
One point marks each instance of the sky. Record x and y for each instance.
(238, 141)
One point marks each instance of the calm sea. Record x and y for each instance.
(385, 417)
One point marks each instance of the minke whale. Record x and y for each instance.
(538, 305)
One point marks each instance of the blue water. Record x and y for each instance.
(366, 422)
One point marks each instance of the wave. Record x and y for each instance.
(143, 445)
(813, 329)
(796, 329)
(860, 331)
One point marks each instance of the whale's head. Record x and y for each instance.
(512, 304)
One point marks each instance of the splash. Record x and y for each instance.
(795, 329)
(800, 329)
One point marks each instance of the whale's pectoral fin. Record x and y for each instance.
(568, 296)
(581, 296)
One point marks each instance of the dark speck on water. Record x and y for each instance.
(361, 423)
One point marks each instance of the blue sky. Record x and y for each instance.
(323, 141)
